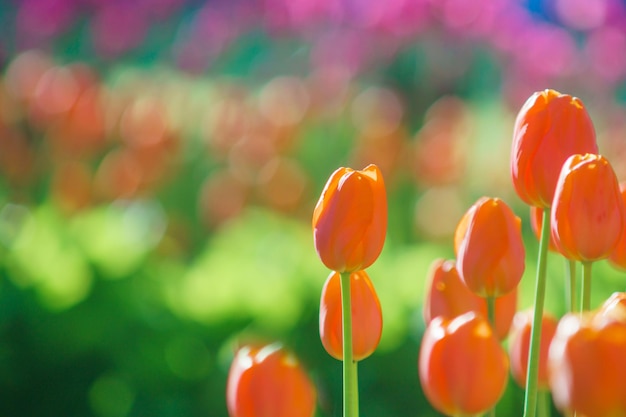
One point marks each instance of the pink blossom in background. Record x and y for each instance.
(399, 18)
(118, 27)
(39, 20)
(581, 14)
(605, 53)
(546, 49)
(160, 9)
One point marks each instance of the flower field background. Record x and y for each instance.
(160, 162)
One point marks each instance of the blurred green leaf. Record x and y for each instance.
(117, 238)
(45, 257)
(260, 266)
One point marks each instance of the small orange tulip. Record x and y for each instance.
(268, 381)
(350, 219)
(448, 296)
(617, 258)
(587, 365)
(489, 248)
(463, 368)
(519, 346)
(549, 128)
(536, 222)
(587, 215)
(367, 318)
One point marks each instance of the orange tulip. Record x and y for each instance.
(267, 381)
(463, 368)
(615, 306)
(367, 318)
(587, 365)
(536, 222)
(549, 128)
(587, 215)
(519, 345)
(448, 296)
(350, 219)
(617, 258)
(489, 248)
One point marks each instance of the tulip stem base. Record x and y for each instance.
(530, 399)
(586, 297)
(350, 377)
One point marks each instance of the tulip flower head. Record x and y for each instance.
(268, 381)
(462, 367)
(350, 219)
(367, 319)
(519, 346)
(617, 258)
(548, 129)
(489, 248)
(448, 296)
(587, 216)
(587, 365)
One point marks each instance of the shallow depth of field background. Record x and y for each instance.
(160, 161)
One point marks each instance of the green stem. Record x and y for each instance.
(355, 396)
(586, 298)
(530, 399)
(491, 311)
(572, 285)
(544, 403)
(350, 380)
(491, 316)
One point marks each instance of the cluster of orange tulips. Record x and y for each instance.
(577, 210)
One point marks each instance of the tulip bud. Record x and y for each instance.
(519, 346)
(350, 219)
(617, 258)
(463, 368)
(268, 381)
(587, 365)
(587, 216)
(367, 319)
(548, 129)
(489, 248)
(448, 296)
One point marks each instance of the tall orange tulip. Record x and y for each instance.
(489, 248)
(587, 365)
(268, 381)
(462, 367)
(448, 296)
(587, 215)
(549, 128)
(367, 318)
(519, 346)
(617, 258)
(350, 219)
